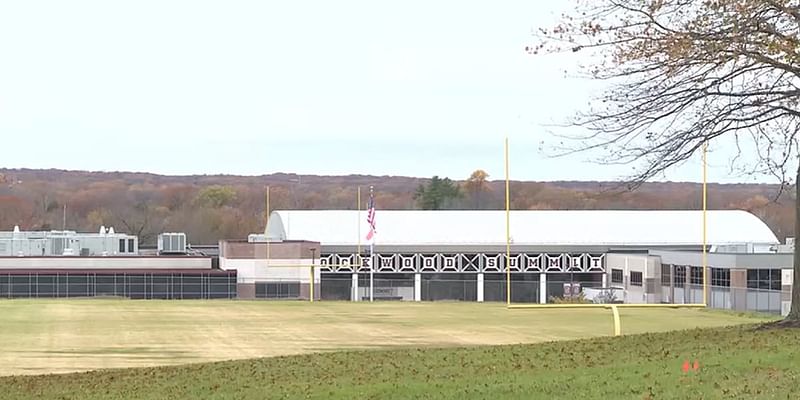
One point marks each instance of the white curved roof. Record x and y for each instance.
(559, 228)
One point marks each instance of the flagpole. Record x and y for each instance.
(371, 269)
(266, 230)
(371, 253)
(359, 261)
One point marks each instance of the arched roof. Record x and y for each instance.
(559, 228)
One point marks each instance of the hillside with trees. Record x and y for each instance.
(213, 207)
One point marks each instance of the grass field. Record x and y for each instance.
(56, 336)
(735, 362)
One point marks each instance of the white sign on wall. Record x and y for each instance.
(787, 276)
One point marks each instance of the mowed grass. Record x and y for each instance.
(58, 336)
(734, 362)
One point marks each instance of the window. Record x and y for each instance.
(122, 245)
(666, 270)
(764, 279)
(696, 275)
(278, 290)
(679, 278)
(616, 276)
(720, 277)
(130, 245)
(636, 278)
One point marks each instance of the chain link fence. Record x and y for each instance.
(401, 287)
(446, 287)
(133, 286)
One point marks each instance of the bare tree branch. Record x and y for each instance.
(684, 73)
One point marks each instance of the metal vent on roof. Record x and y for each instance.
(58, 245)
(172, 243)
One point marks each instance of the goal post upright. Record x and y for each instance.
(508, 230)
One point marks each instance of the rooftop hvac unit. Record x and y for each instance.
(790, 241)
(172, 243)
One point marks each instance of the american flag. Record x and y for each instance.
(371, 217)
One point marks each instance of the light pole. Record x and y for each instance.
(313, 251)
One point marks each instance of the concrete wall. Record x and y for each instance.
(649, 266)
(249, 271)
(273, 262)
(246, 291)
(787, 279)
(277, 250)
(652, 280)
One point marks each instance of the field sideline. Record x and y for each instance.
(57, 336)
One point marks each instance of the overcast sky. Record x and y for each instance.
(414, 88)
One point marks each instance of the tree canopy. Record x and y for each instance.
(216, 196)
(476, 185)
(168, 204)
(683, 74)
(436, 194)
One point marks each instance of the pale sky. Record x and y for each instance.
(415, 88)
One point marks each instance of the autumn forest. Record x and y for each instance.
(209, 208)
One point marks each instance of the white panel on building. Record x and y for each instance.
(67, 243)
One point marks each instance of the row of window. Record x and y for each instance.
(678, 275)
(636, 277)
(768, 279)
(130, 243)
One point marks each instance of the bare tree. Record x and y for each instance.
(685, 73)
(144, 218)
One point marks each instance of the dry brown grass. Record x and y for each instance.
(54, 336)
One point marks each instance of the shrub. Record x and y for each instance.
(579, 299)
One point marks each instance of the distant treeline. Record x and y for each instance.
(213, 207)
